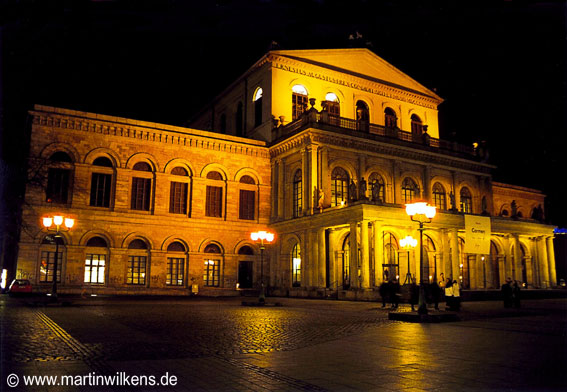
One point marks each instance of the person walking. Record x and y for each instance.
(395, 293)
(448, 294)
(516, 293)
(456, 296)
(507, 293)
(383, 291)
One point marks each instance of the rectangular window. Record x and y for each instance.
(214, 201)
(100, 189)
(136, 270)
(94, 268)
(339, 192)
(211, 275)
(299, 105)
(175, 271)
(247, 203)
(178, 198)
(47, 266)
(297, 198)
(141, 191)
(57, 186)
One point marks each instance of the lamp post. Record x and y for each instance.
(407, 243)
(57, 221)
(262, 236)
(422, 213)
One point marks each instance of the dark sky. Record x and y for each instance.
(500, 67)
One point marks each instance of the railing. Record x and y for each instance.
(366, 127)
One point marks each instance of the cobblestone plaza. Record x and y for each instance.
(217, 344)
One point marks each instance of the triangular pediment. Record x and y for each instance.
(360, 63)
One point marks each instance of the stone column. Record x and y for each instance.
(378, 252)
(395, 181)
(455, 259)
(544, 262)
(333, 278)
(507, 260)
(274, 204)
(305, 180)
(364, 249)
(551, 262)
(281, 189)
(353, 255)
(313, 177)
(313, 258)
(517, 258)
(325, 179)
(322, 265)
(445, 266)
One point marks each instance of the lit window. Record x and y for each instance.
(339, 186)
(47, 262)
(296, 266)
(298, 101)
(332, 106)
(175, 269)
(258, 107)
(346, 262)
(331, 97)
(466, 201)
(258, 94)
(137, 263)
(211, 272)
(95, 262)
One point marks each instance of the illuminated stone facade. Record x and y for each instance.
(329, 145)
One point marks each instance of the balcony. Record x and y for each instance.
(363, 129)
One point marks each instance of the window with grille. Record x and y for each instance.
(141, 191)
(297, 194)
(175, 271)
(211, 275)
(94, 268)
(58, 181)
(410, 190)
(416, 125)
(466, 201)
(298, 101)
(136, 270)
(178, 198)
(247, 202)
(339, 186)
(47, 266)
(100, 189)
(439, 197)
(390, 119)
(214, 201)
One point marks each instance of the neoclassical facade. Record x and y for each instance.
(323, 147)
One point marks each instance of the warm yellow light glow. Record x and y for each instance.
(332, 97)
(3, 279)
(47, 221)
(58, 220)
(299, 89)
(258, 94)
(461, 266)
(342, 203)
(408, 242)
(421, 208)
(69, 222)
(262, 235)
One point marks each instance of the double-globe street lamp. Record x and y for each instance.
(263, 237)
(57, 223)
(421, 212)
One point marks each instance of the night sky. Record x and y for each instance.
(501, 68)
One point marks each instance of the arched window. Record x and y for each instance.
(141, 187)
(339, 186)
(362, 116)
(137, 262)
(332, 104)
(247, 198)
(246, 250)
(101, 182)
(504, 212)
(213, 205)
(466, 201)
(390, 266)
(390, 119)
(211, 272)
(297, 194)
(380, 191)
(52, 246)
(238, 119)
(416, 125)
(175, 272)
(95, 261)
(258, 106)
(410, 190)
(179, 191)
(346, 263)
(296, 266)
(59, 176)
(298, 101)
(439, 197)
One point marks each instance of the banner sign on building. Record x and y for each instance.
(477, 234)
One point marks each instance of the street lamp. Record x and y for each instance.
(263, 236)
(55, 224)
(422, 213)
(408, 243)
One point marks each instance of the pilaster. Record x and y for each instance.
(353, 255)
(551, 262)
(364, 249)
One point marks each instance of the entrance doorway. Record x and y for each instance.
(245, 274)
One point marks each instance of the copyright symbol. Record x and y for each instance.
(13, 380)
